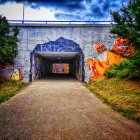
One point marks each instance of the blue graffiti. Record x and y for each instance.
(60, 45)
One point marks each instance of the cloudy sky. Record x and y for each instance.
(88, 10)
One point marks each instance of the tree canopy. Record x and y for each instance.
(127, 25)
(127, 20)
(8, 42)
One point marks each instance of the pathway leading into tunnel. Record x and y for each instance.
(62, 109)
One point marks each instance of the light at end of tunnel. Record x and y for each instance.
(60, 68)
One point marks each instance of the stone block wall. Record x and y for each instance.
(84, 35)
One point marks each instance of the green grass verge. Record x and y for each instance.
(9, 88)
(121, 95)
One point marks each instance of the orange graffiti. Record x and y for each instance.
(60, 68)
(66, 68)
(122, 47)
(99, 47)
(16, 75)
(92, 66)
(104, 60)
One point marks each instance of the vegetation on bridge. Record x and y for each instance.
(8, 42)
(128, 26)
(8, 52)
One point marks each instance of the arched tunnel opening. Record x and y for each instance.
(63, 53)
(58, 65)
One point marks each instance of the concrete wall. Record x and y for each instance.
(84, 35)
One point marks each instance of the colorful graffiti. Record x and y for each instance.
(12, 73)
(6, 66)
(78, 66)
(16, 75)
(107, 58)
(123, 48)
(37, 70)
(60, 68)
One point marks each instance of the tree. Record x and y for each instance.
(8, 42)
(127, 25)
(127, 21)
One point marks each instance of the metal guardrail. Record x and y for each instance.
(60, 22)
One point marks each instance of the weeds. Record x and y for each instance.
(122, 95)
(9, 88)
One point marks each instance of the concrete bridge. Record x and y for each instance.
(44, 44)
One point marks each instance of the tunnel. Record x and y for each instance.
(60, 57)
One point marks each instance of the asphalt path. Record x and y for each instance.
(61, 108)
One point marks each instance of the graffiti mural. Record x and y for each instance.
(106, 58)
(12, 73)
(59, 45)
(38, 67)
(16, 75)
(123, 48)
(60, 68)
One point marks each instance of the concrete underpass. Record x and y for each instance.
(59, 38)
(45, 61)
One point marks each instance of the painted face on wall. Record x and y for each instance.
(121, 41)
(124, 41)
(99, 47)
(16, 75)
(117, 41)
(89, 61)
(122, 47)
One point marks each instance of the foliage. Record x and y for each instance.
(127, 26)
(129, 68)
(8, 42)
(9, 88)
(121, 94)
(128, 22)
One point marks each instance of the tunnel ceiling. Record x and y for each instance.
(57, 56)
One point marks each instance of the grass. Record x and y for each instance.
(121, 94)
(9, 88)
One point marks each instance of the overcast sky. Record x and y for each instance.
(59, 9)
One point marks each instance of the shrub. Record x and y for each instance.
(129, 68)
(8, 42)
(127, 26)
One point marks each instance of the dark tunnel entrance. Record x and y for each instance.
(63, 57)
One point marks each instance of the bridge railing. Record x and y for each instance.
(60, 22)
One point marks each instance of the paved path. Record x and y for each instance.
(62, 109)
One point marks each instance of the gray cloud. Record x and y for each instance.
(75, 9)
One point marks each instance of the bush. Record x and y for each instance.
(129, 68)
(9, 88)
(8, 42)
(127, 26)
(110, 73)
